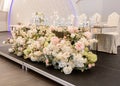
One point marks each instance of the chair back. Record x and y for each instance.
(113, 19)
(96, 18)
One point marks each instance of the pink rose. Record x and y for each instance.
(59, 29)
(52, 28)
(72, 29)
(55, 40)
(47, 62)
(79, 46)
(45, 50)
(89, 66)
(88, 35)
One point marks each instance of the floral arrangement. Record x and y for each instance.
(65, 48)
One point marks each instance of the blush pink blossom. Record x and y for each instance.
(79, 46)
(55, 40)
(72, 29)
(89, 66)
(47, 62)
(88, 35)
(52, 28)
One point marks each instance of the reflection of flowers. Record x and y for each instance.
(66, 52)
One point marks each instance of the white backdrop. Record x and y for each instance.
(23, 9)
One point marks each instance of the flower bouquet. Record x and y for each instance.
(65, 48)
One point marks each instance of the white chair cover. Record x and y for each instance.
(113, 19)
(96, 18)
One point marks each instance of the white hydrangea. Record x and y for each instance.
(10, 50)
(66, 49)
(62, 64)
(20, 40)
(79, 60)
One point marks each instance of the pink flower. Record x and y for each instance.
(62, 41)
(72, 29)
(47, 62)
(88, 35)
(89, 66)
(55, 40)
(59, 29)
(52, 28)
(45, 50)
(79, 46)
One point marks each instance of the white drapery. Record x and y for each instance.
(5, 5)
(1, 4)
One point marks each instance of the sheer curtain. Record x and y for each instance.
(5, 5)
(1, 4)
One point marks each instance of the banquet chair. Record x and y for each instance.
(109, 39)
(112, 22)
(95, 20)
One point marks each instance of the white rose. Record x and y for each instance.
(34, 59)
(20, 48)
(67, 70)
(11, 50)
(19, 54)
(11, 41)
(37, 44)
(59, 56)
(42, 40)
(20, 40)
(66, 55)
(4, 42)
(34, 31)
(79, 60)
(37, 53)
(72, 35)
